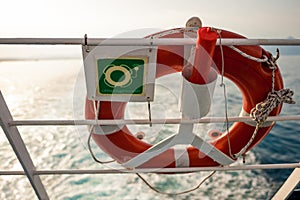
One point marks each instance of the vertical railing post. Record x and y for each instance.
(288, 186)
(13, 135)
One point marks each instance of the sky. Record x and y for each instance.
(98, 18)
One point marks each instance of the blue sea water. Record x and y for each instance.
(54, 89)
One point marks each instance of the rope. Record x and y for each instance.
(270, 61)
(259, 113)
(173, 31)
(262, 110)
(224, 93)
(265, 59)
(243, 150)
(177, 193)
(272, 65)
(96, 111)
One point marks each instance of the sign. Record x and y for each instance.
(120, 73)
(125, 75)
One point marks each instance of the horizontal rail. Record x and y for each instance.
(140, 41)
(144, 121)
(157, 170)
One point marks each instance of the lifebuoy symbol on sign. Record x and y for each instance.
(119, 75)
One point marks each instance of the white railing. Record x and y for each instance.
(140, 41)
(9, 125)
(204, 120)
(157, 170)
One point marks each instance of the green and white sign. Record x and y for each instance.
(120, 73)
(124, 75)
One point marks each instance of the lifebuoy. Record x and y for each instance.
(252, 78)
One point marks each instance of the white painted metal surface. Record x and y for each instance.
(196, 99)
(290, 184)
(144, 121)
(140, 41)
(16, 142)
(184, 136)
(156, 170)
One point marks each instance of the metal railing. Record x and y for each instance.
(11, 131)
(140, 41)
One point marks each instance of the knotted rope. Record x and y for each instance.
(262, 110)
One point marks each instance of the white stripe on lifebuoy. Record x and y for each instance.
(181, 157)
(253, 123)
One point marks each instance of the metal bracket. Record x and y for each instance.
(149, 111)
(184, 136)
(86, 43)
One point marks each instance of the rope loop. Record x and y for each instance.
(96, 112)
(176, 193)
(272, 60)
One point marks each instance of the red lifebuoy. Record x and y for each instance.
(252, 78)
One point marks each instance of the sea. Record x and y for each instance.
(55, 89)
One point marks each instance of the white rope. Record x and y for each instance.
(273, 66)
(177, 193)
(224, 93)
(265, 59)
(262, 110)
(270, 61)
(96, 111)
(162, 34)
(243, 150)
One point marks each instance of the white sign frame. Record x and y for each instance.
(91, 54)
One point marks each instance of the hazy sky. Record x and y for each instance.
(98, 18)
(74, 18)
